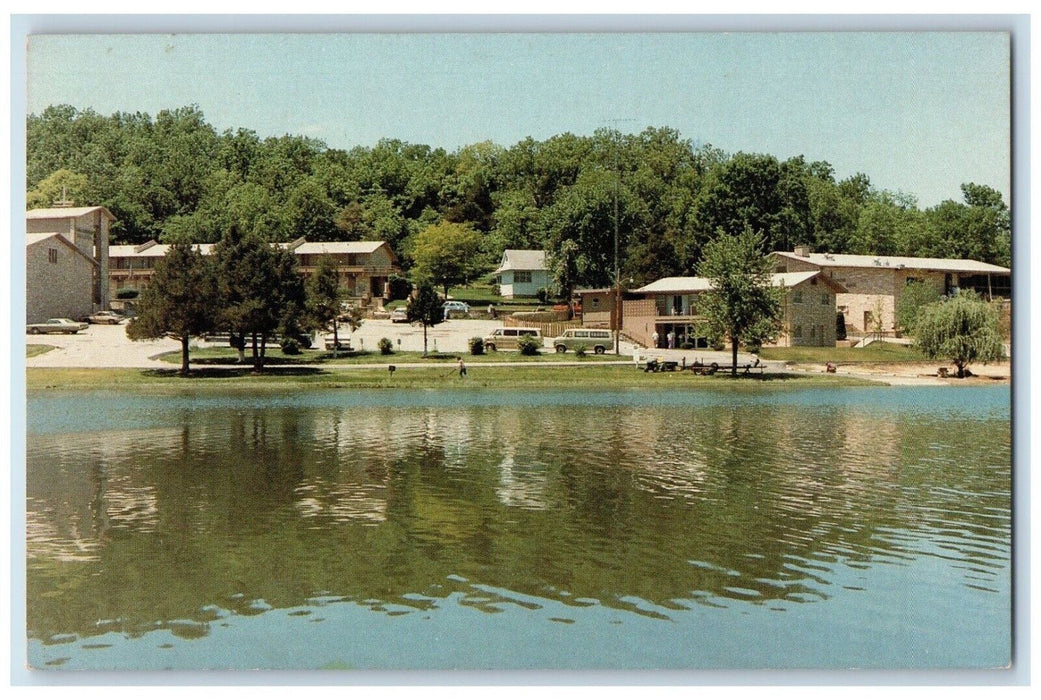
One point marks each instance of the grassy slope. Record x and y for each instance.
(876, 352)
(32, 350)
(435, 377)
(274, 356)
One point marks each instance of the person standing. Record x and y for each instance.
(654, 339)
(672, 339)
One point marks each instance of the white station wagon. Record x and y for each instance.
(596, 339)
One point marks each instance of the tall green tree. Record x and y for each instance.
(742, 305)
(963, 328)
(914, 298)
(181, 299)
(253, 288)
(425, 307)
(325, 297)
(62, 184)
(447, 255)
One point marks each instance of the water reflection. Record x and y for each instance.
(643, 508)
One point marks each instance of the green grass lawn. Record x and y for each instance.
(876, 352)
(275, 356)
(291, 378)
(32, 350)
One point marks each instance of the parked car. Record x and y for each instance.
(106, 317)
(506, 338)
(456, 307)
(55, 325)
(399, 316)
(596, 339)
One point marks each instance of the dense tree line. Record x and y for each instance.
(175, 178)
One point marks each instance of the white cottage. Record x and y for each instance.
(522, 273)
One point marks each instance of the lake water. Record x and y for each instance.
(462, 529)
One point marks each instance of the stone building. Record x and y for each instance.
(88, 229)
(59, 278)
(875, 283)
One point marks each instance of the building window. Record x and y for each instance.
(522, 277)
(797, 297)
(813, 332)
(52, 255)
(914, 280)
(596, 303)
(825, 299)
(798, 332)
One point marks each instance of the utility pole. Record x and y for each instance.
(617, 279)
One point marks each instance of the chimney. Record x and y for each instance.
(803, 251)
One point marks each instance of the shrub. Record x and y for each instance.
(476, 346)
(127, 294)
(400, 287)
(290, 346)
(386, 347)
(542, 294)
(580, 351)
(528, 345)
(687, 345)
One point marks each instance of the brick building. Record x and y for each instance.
(364, 267)
(669, 305)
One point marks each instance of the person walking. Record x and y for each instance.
(672, 339)
(654, 339)
(462, 367)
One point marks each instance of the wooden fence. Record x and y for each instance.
(549, 329)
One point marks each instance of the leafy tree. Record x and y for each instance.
(979, 229)
(425, 307)
(963, 328)
(563, 266)
(181, 299)
(447, 254)
(310, 212)
(325, 297)
(62, 184)
(255, 288)
(742, 304)
(913, 299)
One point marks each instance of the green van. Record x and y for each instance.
(596, 339)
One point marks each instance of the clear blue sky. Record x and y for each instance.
(918, 112)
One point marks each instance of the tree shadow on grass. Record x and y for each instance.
(231, 372)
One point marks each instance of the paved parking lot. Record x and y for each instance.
(99, 346)
(108, 346)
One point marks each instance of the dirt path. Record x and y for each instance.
(915, 373)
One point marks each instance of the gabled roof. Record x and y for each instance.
(32, 239)
(522, 260)
(338, 247)
(694, 285)
(151, 250)
(66, 213)
(894, 262)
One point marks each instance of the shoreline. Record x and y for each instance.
(422, 376)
